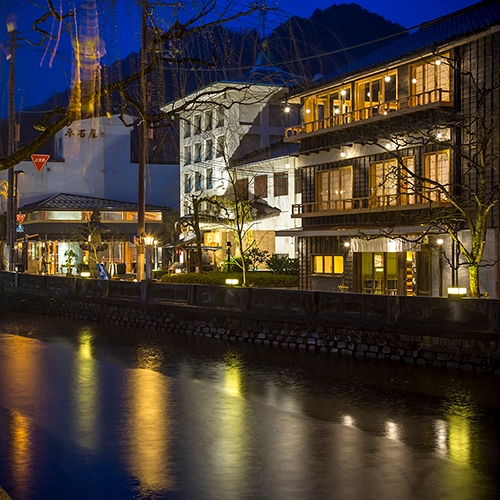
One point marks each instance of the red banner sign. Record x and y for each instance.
(39, 161)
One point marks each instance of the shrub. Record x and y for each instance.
(257, 279)
(283, 265)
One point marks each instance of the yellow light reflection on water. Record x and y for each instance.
(459, 439)
(148, 429)
(22, 451)
(86, 392)
(459, 418)
(441, 436)
(230, 442)
(348, 420)
(392, 431)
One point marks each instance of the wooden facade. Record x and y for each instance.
(374, 144)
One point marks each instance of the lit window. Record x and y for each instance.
(334, 189)
(430, 81)
(437, 169)
(328, 264)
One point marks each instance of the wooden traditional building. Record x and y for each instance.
(387, 146)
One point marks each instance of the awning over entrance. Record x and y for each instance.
(383, 245)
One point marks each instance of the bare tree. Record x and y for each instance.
(458, 199)
(167, 44)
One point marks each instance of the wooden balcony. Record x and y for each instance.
(369, 204)
(418, 102)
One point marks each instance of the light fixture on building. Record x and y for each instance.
(232, 281)
(287, 165)
(456, 292)
(414, 81)
(287, 109)
(440, 241)
(308, 110)
(387, 78)
(347, 244)
(438, 62)
(343, 93)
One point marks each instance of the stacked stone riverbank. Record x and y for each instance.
(432, 333)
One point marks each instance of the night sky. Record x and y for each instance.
(37, 79)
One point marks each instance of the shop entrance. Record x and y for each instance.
(388, 273)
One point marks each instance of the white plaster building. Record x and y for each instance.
(237, 127)
(93, 158)
(92, 172)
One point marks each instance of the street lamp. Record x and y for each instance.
(15, 192)
(148, 243)
(228, 251)
(440, 242)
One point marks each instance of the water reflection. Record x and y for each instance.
(155, 420)
(86, 392)
(22, 453)
(148, 428)
(392, 431)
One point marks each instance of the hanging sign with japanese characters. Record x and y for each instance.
(82, 133)
(39, 161)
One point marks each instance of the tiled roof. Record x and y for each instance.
(274, 150)
(64, 201)
(468, 21)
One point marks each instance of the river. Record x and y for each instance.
(91, 411)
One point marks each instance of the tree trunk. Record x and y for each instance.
(474, 281)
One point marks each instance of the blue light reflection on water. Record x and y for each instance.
(112, 413)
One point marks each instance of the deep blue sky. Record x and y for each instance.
(36, 80)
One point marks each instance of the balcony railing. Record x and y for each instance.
(369, 203)
(431, 98)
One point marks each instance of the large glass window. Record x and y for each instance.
(64, 215)
(437, 176)
(328, 264)
(334, 189)
(376, 95)
(391, 183)
(430, 81)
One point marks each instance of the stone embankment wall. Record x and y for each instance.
(450, 334)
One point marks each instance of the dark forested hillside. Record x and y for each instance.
(329, 39)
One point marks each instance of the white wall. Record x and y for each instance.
(97, 163)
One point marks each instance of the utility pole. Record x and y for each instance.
(143, 128)
(10, 226)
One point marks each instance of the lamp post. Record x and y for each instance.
(15, 191)
(148, 243)
(228, 251)
(440, 246)
(10, 238)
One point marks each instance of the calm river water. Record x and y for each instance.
(89, 411)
